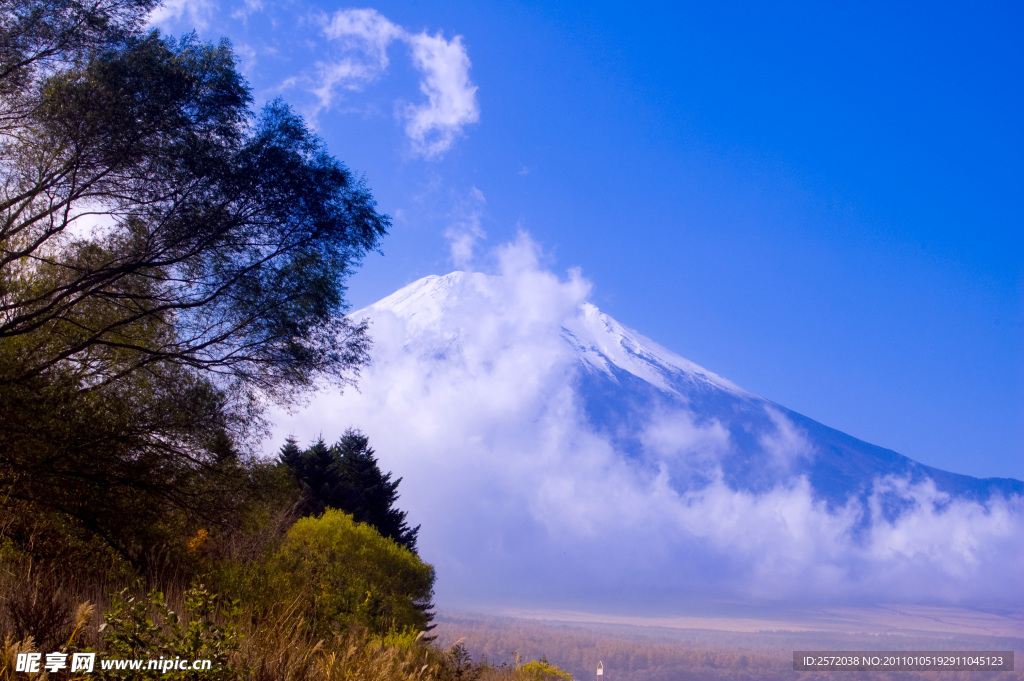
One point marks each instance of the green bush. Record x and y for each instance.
(542, 670)
(345, 574)
(147, 628)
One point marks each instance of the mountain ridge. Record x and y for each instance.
(603, 344)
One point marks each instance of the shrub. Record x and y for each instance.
(147, 628)
(345, 573)
(542, 670)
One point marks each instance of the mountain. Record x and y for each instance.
(555, 455)
(625, 375)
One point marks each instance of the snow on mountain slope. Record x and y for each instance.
(598, 340)
(603, 343)
(608, 351)
(555, 456)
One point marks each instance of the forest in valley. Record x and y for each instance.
(658, 653)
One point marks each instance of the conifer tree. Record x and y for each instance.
(346, 476)
(371, 493)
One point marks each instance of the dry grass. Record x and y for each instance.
(274, 644)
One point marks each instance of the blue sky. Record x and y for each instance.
(822, 204)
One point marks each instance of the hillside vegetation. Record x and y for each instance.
(267, 594)
(173, 263)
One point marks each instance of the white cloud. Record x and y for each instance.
(348, 74)
(671, 434)
(350, 52)
(198, 13)
(475, 402)
(248, 8)
(786, 443)
(364, 36)
(465, 230)
(451, 96)
(365, 30)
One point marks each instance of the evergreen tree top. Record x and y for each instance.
(346, 476)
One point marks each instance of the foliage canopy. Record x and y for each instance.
(170, 263)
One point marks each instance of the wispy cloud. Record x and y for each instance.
(451, 97)
(248, 8)
(364, 36)
(348, 74)
(465, 231)
(196, 12)
(786, 443)
(348, 51)
(365, 30)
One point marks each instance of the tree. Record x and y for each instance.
(170, 264)
(226, 245)
(346, 476)
(369, 492)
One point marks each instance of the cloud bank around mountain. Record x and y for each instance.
(474, 400)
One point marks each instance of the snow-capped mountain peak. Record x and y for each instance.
(552, 453)
(598, 341)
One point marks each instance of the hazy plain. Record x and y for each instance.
(749, 643)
